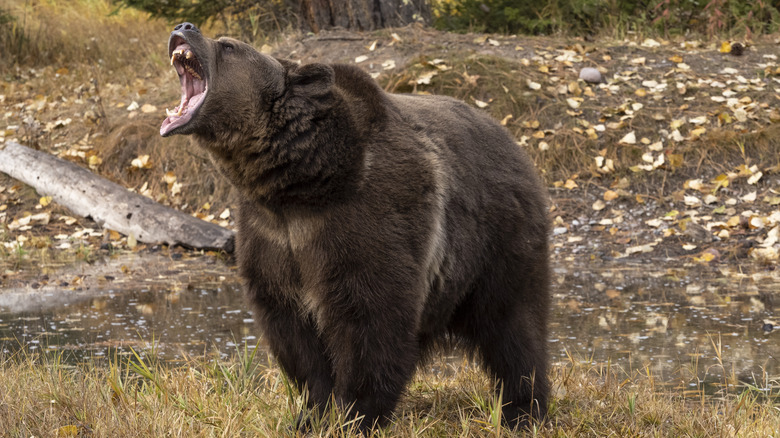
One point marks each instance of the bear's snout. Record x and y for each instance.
(185, 26)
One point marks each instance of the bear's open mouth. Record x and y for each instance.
(193, 86)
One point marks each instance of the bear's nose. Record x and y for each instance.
(186, 26)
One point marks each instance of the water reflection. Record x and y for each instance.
(685, 325)
(182, 322)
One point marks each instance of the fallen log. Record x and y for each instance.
(109, 204)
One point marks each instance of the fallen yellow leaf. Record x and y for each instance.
(698, 132)
(720, 181)
(141, 162)
(480, 103)
(629, 138)
(705, 257)
(169, 177)
(94, 161)
(574, 88)
(676, 160)
(574, 102)
(148, 108)
(176, 188)
(609, 195)
(68, 431)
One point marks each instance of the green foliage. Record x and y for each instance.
(714, 17)
(708, 17)
(248, 19)
(509, 16)
(180, 10)
(530, 16)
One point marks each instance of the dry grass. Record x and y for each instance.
(43, 396)
(201, 182)
(62, 32)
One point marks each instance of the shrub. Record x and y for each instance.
(580, 17)
(247, 19)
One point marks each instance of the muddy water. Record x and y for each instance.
(684, 324)
(687, 325)
(176, 323)
(148, 303)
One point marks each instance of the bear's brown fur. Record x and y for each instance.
(373, 226)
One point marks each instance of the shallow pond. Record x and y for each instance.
(687, 325)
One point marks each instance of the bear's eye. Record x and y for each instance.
(227, 47)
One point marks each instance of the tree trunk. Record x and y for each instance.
(317, 15)
(110, 205)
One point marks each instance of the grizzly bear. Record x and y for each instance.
(372, 227)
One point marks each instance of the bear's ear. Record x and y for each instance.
(312, 79)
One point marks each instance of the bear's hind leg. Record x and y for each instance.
(507, 327)
(519, 365)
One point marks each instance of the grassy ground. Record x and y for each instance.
(43, 396)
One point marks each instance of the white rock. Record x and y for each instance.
(592, 75)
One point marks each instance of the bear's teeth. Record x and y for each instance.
(176, 53)
(172, 113)
(188, 55)
(192, 72)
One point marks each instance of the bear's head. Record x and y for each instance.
(227, 85)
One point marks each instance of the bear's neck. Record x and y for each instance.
(302, 153)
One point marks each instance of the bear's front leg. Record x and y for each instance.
(294, 342)
(370, 333)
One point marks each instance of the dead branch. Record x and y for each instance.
(109, 204)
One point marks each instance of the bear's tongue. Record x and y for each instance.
(193, 89)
